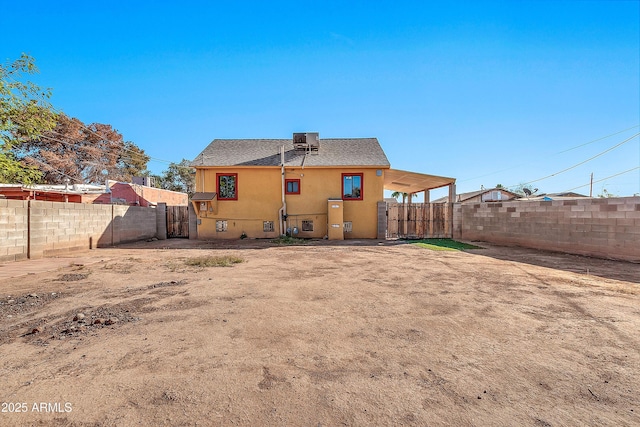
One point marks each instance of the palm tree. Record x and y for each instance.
(397, 194)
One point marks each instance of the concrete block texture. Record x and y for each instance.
(13, 229)
(193, 223)
(596, 227)
(35, 229)
(382, 220)
(161, 221)
(133, 223)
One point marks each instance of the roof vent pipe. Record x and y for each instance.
(282, 212)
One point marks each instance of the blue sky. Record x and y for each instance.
(486, 92)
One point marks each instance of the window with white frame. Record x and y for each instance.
(221, 225)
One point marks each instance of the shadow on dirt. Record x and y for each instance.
(609, 269)
(251, 243)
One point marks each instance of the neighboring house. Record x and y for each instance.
(567, 195)
(140, 195)
(76, 193)
(114, 192)
(484, 195)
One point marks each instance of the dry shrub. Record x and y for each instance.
(214, 261)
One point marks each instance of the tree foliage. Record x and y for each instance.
(132, 162)
(25, 114)
(519, 189)
(83, 153)
(179, 177)
(604, 194)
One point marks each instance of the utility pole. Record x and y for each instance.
(591, 186)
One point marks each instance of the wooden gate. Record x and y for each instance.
(177, 221)
(418, 220)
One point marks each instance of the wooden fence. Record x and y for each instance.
(419, 220)
(177, 221)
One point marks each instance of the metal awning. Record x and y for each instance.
(413, 182)
(203, 197)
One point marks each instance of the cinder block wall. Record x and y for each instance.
(133, 223)
(63, 227)
(608, 228)
(35, 229)
(193, 223)
(14, 230)
(382, 220)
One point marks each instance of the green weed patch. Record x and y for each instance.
(288, 240)
(214, 261)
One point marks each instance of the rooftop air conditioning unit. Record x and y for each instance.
(309, 141)
(299, 141)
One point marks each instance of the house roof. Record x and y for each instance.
(202, 197)
(54, 188)
(567, 194)
(556, 196)
(266, 152)
(471, 194)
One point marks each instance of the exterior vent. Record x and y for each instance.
(147, 181)
(309, 141)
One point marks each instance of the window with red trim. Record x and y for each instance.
(352, 186)
(227, 186)
(292, 186)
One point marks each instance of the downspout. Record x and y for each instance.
(283, 210)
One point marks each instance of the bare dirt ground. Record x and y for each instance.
(356, 333)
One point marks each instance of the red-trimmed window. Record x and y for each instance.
(292, 186)
(352, 186)
(227, 186)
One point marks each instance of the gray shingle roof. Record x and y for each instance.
(461, 197)
(266, 152)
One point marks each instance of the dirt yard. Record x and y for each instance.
(356, 334)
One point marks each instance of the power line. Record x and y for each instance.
(131, 152)
(596, 140)
(82, 125)
(45, 102)
(552, 154)
(125, 149)
(604, 179)
(583, 162)
(51, 168)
